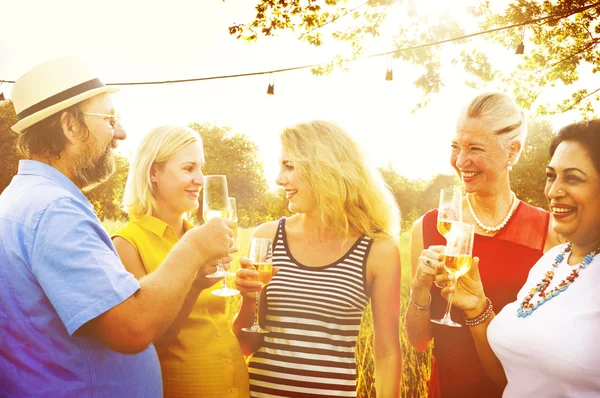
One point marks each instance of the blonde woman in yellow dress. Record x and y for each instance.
(199, 355)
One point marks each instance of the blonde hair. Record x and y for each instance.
(502, 117)
(157, 147)
(351, 195)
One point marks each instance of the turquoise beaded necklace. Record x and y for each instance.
(527, 307)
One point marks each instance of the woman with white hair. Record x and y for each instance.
(199, 355)
(338, 251)
(545, 343)
(510, 236)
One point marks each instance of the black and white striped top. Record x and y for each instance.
(314, 316)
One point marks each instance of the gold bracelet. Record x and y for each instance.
(419, 307)
(481, 318)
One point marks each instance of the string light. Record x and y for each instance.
(551, 18)
(271, 88)
(389, 73)
(521, 46)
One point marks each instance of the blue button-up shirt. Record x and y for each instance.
(58, 270)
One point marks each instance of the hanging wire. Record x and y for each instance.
(550, 17)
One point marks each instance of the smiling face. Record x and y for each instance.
(178, 181)
(573, 193)
(478, 157)
(300, 196)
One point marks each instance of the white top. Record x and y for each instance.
(554, 352)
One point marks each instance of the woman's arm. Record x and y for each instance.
(133, 263)
(383, 279)
(469, 296)
(418, 324)
(247, 284)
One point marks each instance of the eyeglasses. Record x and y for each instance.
(112, 119)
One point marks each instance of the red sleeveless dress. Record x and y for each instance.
(505, 261)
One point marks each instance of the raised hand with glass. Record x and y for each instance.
(457, 260)
(261, 255)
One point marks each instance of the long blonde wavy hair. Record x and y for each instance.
(351, 194)
(157, 147)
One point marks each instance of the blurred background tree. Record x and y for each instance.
(9, 160)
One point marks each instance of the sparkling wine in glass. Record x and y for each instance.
(457, 260)
(215, 203)
(261, 254)
(225, 290)
(449, 209)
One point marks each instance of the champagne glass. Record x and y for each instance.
(457, 260)
(225, 290)
(261, 254)
(215, 203)
(449, 210)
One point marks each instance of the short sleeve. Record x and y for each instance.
(75, 263)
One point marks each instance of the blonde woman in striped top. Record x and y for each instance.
(338, 251)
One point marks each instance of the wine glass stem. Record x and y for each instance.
(256, 312)
(449, 307)
(220, 266)
(224, 287)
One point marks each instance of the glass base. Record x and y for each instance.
(225, 292)
(447, 322)
(220, 274)
(256, 329)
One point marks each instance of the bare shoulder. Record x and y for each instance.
(417, 227)
(130, 257)
(123, 245)
(384, 254)
(266, 230)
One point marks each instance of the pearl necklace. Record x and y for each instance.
(526, 308)
(498, 227)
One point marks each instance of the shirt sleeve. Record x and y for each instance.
(75, 263)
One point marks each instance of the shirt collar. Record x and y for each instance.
(156, 225)
(36, 168)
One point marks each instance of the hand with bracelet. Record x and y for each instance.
(468, 293)
(431, 263)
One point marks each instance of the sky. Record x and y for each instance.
(151, 40)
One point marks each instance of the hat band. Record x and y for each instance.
(60, 97)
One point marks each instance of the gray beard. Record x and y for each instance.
(89, 172)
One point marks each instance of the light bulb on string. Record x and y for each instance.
(521, 46)
(271, 88)
(389, 73)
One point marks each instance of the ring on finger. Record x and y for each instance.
(428, 262)
(438, 285)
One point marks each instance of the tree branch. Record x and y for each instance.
(575, 103)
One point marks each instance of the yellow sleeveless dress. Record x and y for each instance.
(206, 360)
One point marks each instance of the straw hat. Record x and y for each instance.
(52, 87)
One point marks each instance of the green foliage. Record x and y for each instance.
(565, 35)
(9, 160)
(529, 174)
(237, 157)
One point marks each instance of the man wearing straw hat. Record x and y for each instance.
(73, 321)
